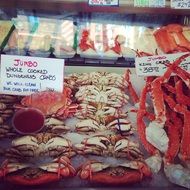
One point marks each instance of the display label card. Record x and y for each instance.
(23, 75)
(155, 65)
(180, 4)
(103, 2)
(149, 3)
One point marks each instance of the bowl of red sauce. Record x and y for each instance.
(28, 120)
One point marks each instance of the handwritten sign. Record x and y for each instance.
(149, 3)
(21, 75)
(155, 65)
(180, 4)
(103, 2)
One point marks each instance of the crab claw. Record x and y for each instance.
(55, 125)
(91, 167)
(127, 148)
(88, 125)
(53, 121)
(138, 165)
(94, 145)
(121, 125)
(98, 141)
(62, 166)
(8, 167)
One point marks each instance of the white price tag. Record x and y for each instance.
(21, 75)
(103, 2)
(180, 4)
(157, 3)
(155, 65)
(149, 3)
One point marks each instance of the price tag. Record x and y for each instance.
(149, 3)
(103, 2)
(22, 75)
(180, 4)
(155, 65)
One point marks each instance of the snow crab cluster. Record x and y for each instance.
(168, 129)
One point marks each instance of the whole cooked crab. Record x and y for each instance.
(119, 125)
(98, 112)
(51, 103)
(110, 146)
(126, 173)
(111, 96)
(42, 144)
(31, 174)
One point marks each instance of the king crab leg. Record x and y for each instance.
(176, 31)
(130, 88)
(154, 162)
(177, 173)
(181, 98)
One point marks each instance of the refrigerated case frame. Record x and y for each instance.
(81, 6)
(125, 6)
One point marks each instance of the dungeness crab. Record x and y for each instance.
(114, 97)
(51, 103)
(42, 144)
(118, 125)
(110, 146)
(29, 174)
(126, 173)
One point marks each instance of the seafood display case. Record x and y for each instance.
(108, 128)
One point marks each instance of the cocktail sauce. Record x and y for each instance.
(28, 120)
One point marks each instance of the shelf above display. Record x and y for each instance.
(120, 62)
(125, 6)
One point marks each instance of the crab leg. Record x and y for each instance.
(184, 149)
(176, 31)
(157, 93)
(180, 96)
(130, 88)
(62, 166)
(7, 167)
(141, 125)
(165, 41)
(173, 125)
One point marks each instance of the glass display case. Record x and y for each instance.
(108, 127)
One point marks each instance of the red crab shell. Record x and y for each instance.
(16, 173)
(43, 179)
(50, 102)
(115, 175)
